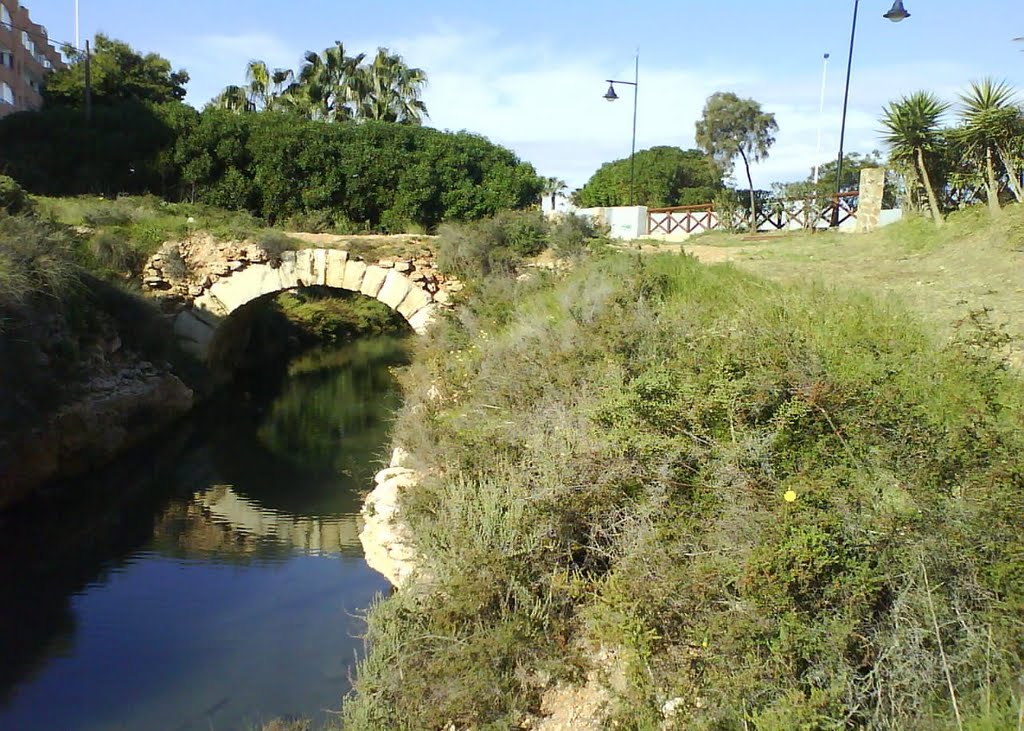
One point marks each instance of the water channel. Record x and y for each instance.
(213, 579)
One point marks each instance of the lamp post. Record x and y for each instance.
(821, 114)
(896, 13)
(611, 96)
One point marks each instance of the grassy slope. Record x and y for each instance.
(609, 459)
(941, 274)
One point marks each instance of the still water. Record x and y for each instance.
(213, 579)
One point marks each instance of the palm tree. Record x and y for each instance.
(328, 80)
(913, 131)
(257, 76)
(991, 121)
(233, 98)
(554, 187)
(389, 90)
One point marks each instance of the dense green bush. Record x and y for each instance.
(664, 176)
(499, 244)
(113, 251)
(786, 507)
(370, 176)
(572, 235)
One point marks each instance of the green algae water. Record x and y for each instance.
(214, 579)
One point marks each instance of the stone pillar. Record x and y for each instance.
(872, 186)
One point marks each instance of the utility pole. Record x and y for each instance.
(88, 82)
(78, 38)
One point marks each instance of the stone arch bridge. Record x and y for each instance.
(411, 287)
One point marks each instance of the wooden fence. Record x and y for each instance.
(773, 215)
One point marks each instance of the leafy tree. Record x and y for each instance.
(853, 164)
(119, 74)
(389, 90)
(991, 124)
(914, 133)
(665, 176)
(731, 126)
(127, 148)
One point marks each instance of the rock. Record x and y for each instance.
(399, 457)
(442, 297)
(403, 265)
(235, 265)
(386, 263)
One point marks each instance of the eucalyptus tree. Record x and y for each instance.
(389, 90)
(330, 83)
(731, 126)
(913, 131)
(990, 126)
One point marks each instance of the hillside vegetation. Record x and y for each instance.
(782, 506)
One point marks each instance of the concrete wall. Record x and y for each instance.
(624, 222)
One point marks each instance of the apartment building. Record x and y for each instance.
(25, 57)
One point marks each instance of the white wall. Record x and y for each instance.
(624, 222)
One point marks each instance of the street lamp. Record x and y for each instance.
(611, 96)
(896, 13)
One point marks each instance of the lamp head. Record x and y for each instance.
(611, 95)
(897, 12)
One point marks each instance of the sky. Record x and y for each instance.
(531, 75)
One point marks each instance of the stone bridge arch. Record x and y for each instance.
(212, 303)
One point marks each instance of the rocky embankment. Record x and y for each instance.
(123, 400)
(387, 543)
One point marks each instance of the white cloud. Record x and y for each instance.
(217, 60)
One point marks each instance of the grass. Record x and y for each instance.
(973, 263)
(606, 460)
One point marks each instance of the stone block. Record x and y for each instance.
(209, 308)
(373, 280)
(319, 266)
(416, 300)
(304, 268)
(395, 288)
(335, 267)
(423, 319)
(354, 271)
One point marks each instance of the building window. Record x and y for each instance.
(28, 43)
(6, 94)
(5, 16)
(6, 57)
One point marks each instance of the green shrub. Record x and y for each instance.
(13, 198)
(772, 501)
(107, 215)
(175, 265)
(112, 250)
(276, 243)
(572, 235)
(36, 259)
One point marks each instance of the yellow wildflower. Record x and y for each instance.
(790, 496)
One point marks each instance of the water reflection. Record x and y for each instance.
(115, 591)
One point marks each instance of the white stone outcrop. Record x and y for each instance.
(387, 542)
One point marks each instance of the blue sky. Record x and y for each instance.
(530, 75)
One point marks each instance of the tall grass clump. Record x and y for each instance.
(784, 506)
(499, 245)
